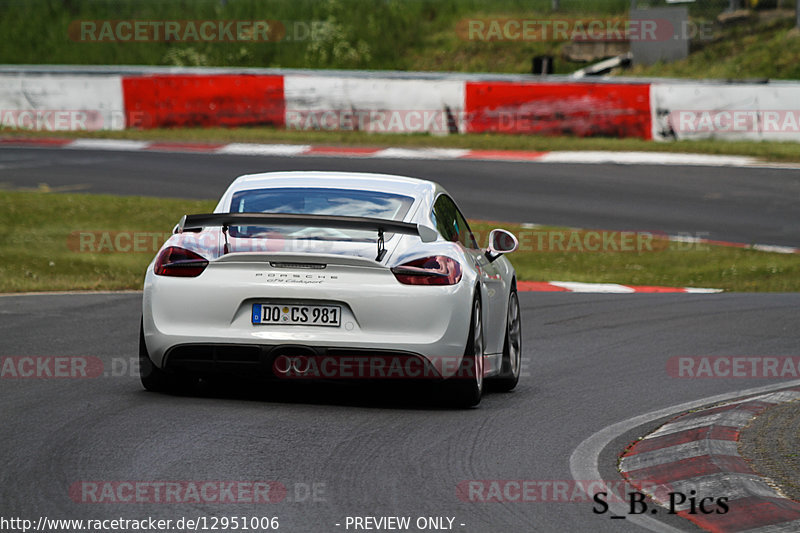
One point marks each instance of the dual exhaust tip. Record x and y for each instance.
(296, 364)
(294, 361)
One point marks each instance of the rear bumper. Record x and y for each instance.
(299, 363)
(379, 315)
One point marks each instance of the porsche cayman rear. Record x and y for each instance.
(314, 275)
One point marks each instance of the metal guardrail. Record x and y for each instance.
(133, 70)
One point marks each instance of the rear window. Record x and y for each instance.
(317, 201)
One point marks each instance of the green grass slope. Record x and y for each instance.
(388, 35)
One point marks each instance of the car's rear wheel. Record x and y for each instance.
(512, 348)
(153, 378)
(467, 385)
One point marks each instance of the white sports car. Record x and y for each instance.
(331, 275)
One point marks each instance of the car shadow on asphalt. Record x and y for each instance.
(405, 395)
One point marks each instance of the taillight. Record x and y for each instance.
(436, 270)
(174, 261)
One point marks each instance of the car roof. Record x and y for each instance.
(424, 192)
(389, 183)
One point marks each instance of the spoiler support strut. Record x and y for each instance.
(381, 247)
(226, 247)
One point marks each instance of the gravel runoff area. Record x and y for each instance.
(771, 444)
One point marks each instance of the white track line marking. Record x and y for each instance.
(263, 149)
(520, 156)
(107, 144)
(575, 286)
(645, 158)
(693, 290)
(421, 153)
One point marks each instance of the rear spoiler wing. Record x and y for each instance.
(380, 225)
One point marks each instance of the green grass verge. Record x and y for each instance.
(763, 47)
(41, 251)
(360, 34)
(664, 263)
(766, 150)
(36, 246)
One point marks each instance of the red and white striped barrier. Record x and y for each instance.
(172, 101)
(388, 103)
(373, 104)
(744, 111)
(59, 102)
(579, 109)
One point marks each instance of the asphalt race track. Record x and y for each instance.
(750, 205)
(589, 361)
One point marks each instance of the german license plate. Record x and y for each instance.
(297, 315)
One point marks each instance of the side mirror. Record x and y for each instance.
(501, 242)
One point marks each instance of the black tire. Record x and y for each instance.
(466, 387)
(512, 347)
(153, 378)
